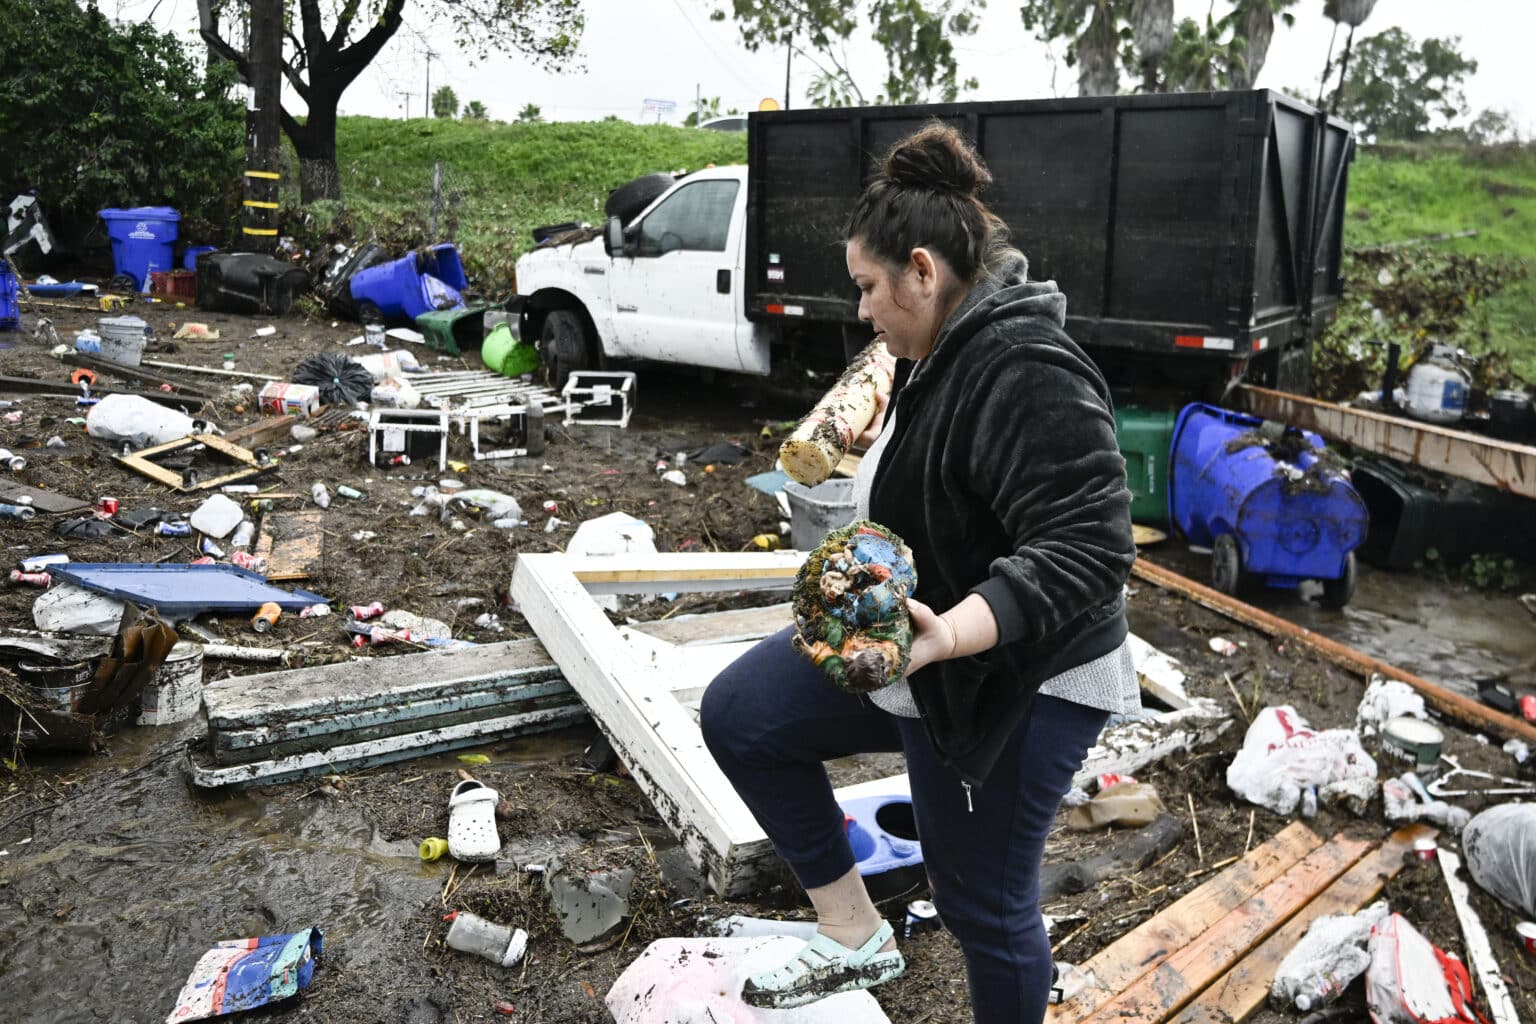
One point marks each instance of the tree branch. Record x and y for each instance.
(208, 29)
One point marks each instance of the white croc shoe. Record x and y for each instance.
(472, 822)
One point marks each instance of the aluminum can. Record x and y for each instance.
(246, 560)
(13, 462)
(315, 611)
(106, 507)
(266, 617)
(343, 491)
(22, 512)
(174, 529)
(922, 915)
(394, 460)
(1424, 848)
(363, 612)
(36, 579)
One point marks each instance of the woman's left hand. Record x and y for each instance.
(933, 637)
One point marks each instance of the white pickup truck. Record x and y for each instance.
(667, 286)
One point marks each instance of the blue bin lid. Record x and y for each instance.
(142, 213)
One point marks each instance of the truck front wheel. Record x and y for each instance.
(565, 346)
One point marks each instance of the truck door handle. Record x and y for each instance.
(622, 308)
(723, 282)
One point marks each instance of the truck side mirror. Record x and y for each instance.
(613, 237)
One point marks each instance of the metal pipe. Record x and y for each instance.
(1458, 706)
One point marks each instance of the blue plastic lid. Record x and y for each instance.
(142, 213)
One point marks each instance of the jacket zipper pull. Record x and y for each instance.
(968, 807)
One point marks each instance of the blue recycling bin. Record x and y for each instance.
(10, 294)
(403, 289)
(1266, 501)
(143, 240)
(189, 258)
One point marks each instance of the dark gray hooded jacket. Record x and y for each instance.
(1004, 476)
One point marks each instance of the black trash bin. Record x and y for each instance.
(248, 282)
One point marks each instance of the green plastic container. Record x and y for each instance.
(506, 355)
(1145, 436)
(452, 330)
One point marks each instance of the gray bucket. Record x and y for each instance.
(122, 339)
(816, 511)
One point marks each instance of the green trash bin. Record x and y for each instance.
(453, 330)
(1145, 436)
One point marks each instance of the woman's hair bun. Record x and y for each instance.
(936, 157)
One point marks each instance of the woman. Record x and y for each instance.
(997, 463)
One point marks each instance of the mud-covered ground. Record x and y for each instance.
(115, 876)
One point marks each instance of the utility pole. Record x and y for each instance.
(428, 93)
(698, 105)
(789, 53)
(263, 126)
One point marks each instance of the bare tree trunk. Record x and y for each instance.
(1097, 58)
(1322, 83)
(1258, 30)
(315, 143)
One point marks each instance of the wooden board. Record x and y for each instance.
(1154, 940)
(1241, 989)
(266, 430)
(43, 501)
(1178, 978)
(291, 543)
(1485, 966)
(682, 572)
(142, 462)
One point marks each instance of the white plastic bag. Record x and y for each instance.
(129, 419)
(698, 981)
(1384, 700)
(613, 534)
(66, 608)
(1500, 847)
(1410, 981)
(1334, 947)
(1282, 755)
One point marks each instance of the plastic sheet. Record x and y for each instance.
(1500, 848)
(242, 974)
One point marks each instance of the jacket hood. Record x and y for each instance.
(1003, 294)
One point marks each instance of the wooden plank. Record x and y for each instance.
(64, 389)
(43, 501)
(1245, 987)
(326, 732)
(1458, 706)
(1158, 674)
(1486, 460)
(683, 571)
(141, 462)
(720, 627)
(266, 430)
(654, 735)
(372, 753)
(1177, 979)
(1485, 966)
(1154, 940)
(291, 543)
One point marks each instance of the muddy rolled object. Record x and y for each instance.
(820, 440)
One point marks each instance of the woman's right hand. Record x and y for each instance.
(876, 422)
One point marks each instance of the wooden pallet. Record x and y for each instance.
(1211, 956)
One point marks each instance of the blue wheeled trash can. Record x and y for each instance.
(403, 289)
(143, 241)
(1266, 500)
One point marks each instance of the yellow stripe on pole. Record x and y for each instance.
(272, 175)
(267, 232)
(260, 205)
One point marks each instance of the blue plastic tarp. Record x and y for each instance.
(183, 591)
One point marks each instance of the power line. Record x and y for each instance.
(711, 48)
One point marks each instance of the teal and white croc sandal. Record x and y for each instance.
(822, 968)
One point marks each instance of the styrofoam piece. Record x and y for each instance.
(66, 608)
(698, 981)
(217, 517)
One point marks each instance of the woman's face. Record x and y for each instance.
(904, 308)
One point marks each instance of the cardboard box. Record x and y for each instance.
(280, 399)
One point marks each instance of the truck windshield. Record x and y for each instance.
(695, 217)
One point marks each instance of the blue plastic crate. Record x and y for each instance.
(882, 833)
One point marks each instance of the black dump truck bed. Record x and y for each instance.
(1184, 228)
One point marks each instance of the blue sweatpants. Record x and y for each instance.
(772, 718)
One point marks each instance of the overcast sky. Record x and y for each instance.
(635, 50)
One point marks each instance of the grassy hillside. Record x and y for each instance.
(1402, 194)
(501, 180)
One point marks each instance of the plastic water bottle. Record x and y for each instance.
(498, 943)
(321, 495)
(244, 534)
(1319, 990)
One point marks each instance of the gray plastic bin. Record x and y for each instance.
(816, 511)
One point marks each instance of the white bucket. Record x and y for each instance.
(175, 692)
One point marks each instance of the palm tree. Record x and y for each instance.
(1255, 23)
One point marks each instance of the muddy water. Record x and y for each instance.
(124, 885)
(1447, 633)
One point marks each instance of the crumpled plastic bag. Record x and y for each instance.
(1384, 700)
(1500, 848)
(136, 421)
(850, 604)
(1334, 944)
(1400, 802)
(1413, 981)
(1282, 755)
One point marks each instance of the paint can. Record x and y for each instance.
(1425, 848)
(1415, 741)
(1526, 931)
(175, 691)
(922, 915)
(61, 687)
